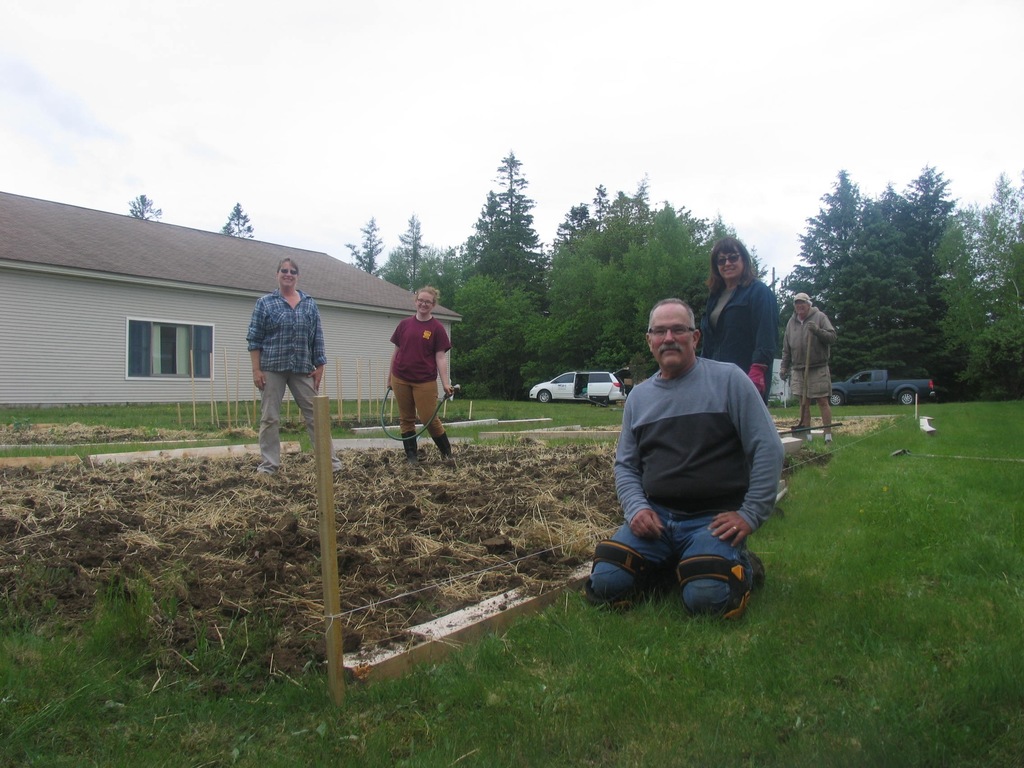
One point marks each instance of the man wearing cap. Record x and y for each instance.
(805, 351)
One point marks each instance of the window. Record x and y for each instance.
(169, 349)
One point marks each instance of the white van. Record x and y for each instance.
(594, 386)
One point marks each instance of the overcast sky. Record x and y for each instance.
(317, 116)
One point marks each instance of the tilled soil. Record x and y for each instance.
(210, 549)
(214, 547)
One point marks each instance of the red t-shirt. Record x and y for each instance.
(418, 341)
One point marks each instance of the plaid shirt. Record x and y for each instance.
(288, 339)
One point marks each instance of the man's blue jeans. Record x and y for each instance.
(682, 538)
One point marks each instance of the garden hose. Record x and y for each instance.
(425, 424)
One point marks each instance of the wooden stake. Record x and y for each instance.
(370, 402)
(328, 548)
(192, 375)
(238, 373)
(214, 418)
(359, 391)
(227, 387)
(337, 376)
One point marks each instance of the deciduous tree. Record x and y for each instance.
(982, 258)
(605, 279)
(490, 344)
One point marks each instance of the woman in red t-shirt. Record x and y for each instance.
(421, 344)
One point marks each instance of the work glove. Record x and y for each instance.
(756, 374)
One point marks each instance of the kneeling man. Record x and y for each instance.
(697, 470)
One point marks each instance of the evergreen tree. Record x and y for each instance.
(871, 266)
(412, 242)
(237, 224)
(576, 224)
(828, 244)
(505, 246)
(365, 256)
(883, 318)
(923, 214)
(144, 208)
(404, 262)
(624, 225)
(600, 205)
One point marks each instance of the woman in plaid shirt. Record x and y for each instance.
(286, 344)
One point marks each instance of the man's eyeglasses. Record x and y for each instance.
(289, 271)
(732, 258)
(675, 330)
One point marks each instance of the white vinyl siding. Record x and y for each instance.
(64, 341)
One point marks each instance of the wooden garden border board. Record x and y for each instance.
(442, 636)
(437, 638)
(184, 453)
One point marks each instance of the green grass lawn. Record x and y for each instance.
(888, 634)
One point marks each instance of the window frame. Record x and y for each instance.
(139, 338)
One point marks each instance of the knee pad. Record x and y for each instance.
(628, 560)
(714, 567)
(622, 555)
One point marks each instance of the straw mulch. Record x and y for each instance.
(78, 434)
(216, 546)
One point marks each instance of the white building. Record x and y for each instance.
(105, 308)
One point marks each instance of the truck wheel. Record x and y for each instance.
(836, 398)
(906, 397)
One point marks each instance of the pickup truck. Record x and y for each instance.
(875, 386)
